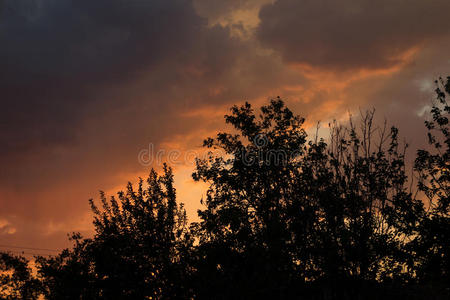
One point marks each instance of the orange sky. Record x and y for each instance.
(86, 86)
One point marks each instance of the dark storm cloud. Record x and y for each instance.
(86, 85)
(56, 56)
(351, 34)
(82, 87)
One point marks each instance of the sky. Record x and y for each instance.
(91, 90)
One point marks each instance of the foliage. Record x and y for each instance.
(245, 237)
(433, 168)
(16, 278)
(281, 211)
(137, 251)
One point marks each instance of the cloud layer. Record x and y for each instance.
(351, 34)
(85, 85)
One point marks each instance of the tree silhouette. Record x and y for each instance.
(365, 212)
(281, 212)
(244, 235)
(137, 251)
(433, 242)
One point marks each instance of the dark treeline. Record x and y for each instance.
(284, 217)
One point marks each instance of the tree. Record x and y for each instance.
(137, 252)
(365, 212)
(244, 236)
(433, 168)
(281, 211)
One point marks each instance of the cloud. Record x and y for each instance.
(57, 54)
(6, 228)
(85, 85)
(350, 34)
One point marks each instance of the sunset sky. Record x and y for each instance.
(86, 86)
